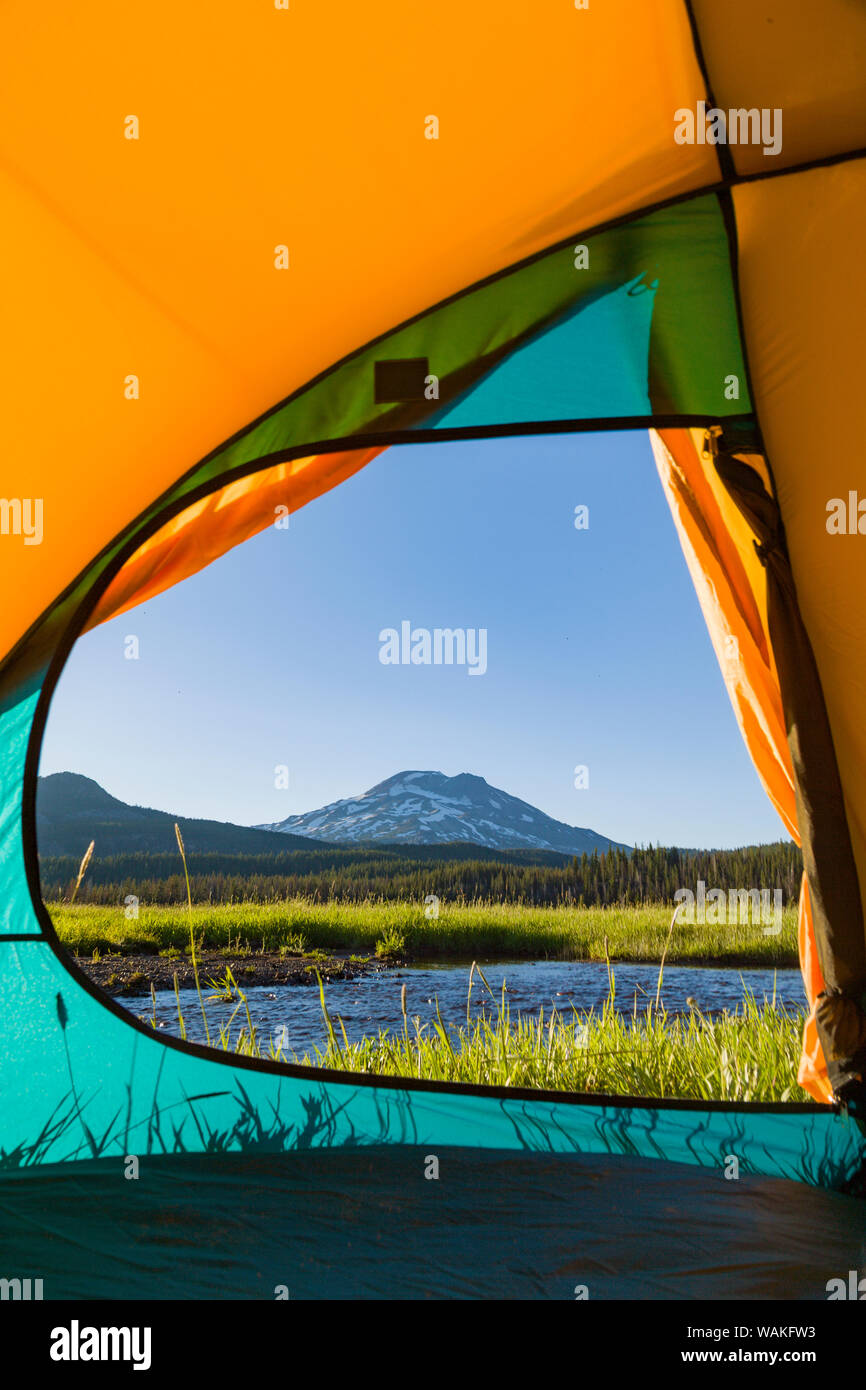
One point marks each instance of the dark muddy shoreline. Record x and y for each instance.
(132, 975)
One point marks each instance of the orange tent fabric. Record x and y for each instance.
(258, 128)
(214, 524)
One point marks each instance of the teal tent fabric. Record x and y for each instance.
(549, 376)
(16, 913)
(365, 1224)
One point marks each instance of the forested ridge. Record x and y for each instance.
(461, 873)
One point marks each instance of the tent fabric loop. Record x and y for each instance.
(766, 550)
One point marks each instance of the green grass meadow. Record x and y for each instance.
(467, 931)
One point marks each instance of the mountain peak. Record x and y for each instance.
(439, 782)
(72, 791)
(418, 807)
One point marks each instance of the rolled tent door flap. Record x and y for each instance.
(757, 632)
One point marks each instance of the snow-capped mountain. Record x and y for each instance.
(422, 808)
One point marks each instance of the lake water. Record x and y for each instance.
(371, 1003)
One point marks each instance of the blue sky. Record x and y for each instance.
(597, 654)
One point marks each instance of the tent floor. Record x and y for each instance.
(365, 1223)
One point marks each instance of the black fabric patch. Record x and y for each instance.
(401, 379)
